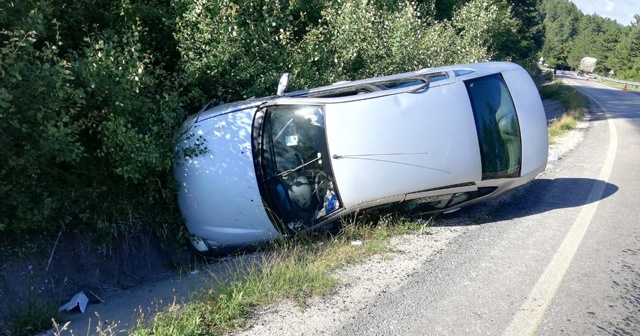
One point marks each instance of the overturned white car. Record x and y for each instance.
(425, 141)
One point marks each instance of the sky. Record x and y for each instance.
(619, 10)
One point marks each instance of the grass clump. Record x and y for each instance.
(574, 105)
(569, 97)
(288, 273)
(35, 317)
(563, 125)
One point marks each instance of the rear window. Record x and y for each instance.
(497, 127)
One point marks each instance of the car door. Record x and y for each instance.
(400, 144)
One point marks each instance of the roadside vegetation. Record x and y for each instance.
(33, 319)
(618, 85)
(574, 106)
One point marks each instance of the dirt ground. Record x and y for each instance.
(46, 271)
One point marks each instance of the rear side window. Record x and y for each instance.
(497, 127)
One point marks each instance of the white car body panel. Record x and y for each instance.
(403, 143)
(234, 217)
(533, 123)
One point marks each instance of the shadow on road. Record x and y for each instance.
(538, 196)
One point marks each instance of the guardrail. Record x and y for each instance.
(620, 82)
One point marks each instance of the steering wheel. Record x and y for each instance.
(321, 183)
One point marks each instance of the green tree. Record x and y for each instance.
(561, 19)
(626, 56)
(86, 135)
(526, 40)
(445, 9)
(519, 35)
(596, 37)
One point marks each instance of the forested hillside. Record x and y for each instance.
(570, 35)
(92, 90)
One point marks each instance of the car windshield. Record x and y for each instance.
(300, 190)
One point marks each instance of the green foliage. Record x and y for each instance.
(530, 29)
(484, 27)
(570, 36)
(236, 50)
(37, 131)
(444, 9)
(626, 56)
(86, 136)
(560, 23)
(596, 37)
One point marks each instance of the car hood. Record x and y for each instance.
(218, 193)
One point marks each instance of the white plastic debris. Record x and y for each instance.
(79, 300)
(356, 243)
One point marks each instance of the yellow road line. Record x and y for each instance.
(528, 317)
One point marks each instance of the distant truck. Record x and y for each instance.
(587, 65)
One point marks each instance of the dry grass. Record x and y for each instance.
(563, 125)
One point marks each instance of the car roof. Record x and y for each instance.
(448, 74)
(459, 72)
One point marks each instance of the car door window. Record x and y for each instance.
(497, 127)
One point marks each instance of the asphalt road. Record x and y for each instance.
(561, 258)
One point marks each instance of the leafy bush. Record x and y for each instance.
(86, 136)
(235, 50)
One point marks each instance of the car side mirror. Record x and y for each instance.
(282, 85)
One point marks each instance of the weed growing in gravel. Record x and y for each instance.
(563, 125)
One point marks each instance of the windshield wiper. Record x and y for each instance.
(289, 171)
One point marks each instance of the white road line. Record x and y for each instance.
(528, 317)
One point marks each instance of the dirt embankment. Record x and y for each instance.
(48, 270)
